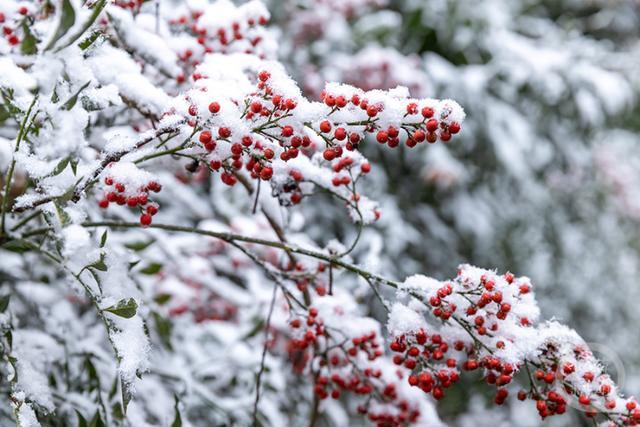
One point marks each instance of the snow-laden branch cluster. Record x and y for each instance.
(138, 290)
(489, 324)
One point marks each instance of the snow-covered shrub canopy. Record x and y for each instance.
(168, 254)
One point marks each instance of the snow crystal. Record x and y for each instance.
(403, 319)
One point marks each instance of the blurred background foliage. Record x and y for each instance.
(544, 178)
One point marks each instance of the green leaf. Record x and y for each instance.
(162, 299)
(4, 114)
(64, 217)
(97, 420)
(18, 246)
(116, 411)
(151, 269)
(9, 337)
(99, 265)
(97, 9)
(54, 95)
(88, 41)
(82, 422)
(67, 19)
(4, 302)
(103, 239)
(126, 395)
(94, 379)
(61, 166)
(133, 264)
(124, 308)
(177, 420)
(29, 42)
(139, 246)
(74, 165)
(71, 102)
(163, 327)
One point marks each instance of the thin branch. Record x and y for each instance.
(232, 237)
(264, 355)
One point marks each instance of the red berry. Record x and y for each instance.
(419, 135)
(365, 167)
(427, 112)
(454, 127)
(290, 104)
(214, 107)
(145, 220)
(330, 100)
(287, 131)
(224, 132)
(432, 125)
(382, 137)
(104, 203)
(256, 107)
(329, 154)
(372, 111)
(205, 136)
(325, 126)
(193, 110)
(340, 134)
(236, 149)
(266, 173)
(264, 76)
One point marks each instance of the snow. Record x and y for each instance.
(539, 181)
(132, 345)
(14, 77)
(403, 320)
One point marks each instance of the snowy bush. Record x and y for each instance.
(189, 238)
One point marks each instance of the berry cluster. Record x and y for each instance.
(424, 355)
(10, 25)
(134, 5)
(242, 32)
(567, 373)
(129, 191)
(422, 121)
(344, 361)
(496, 313)
(276, 135)
(204, 304)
